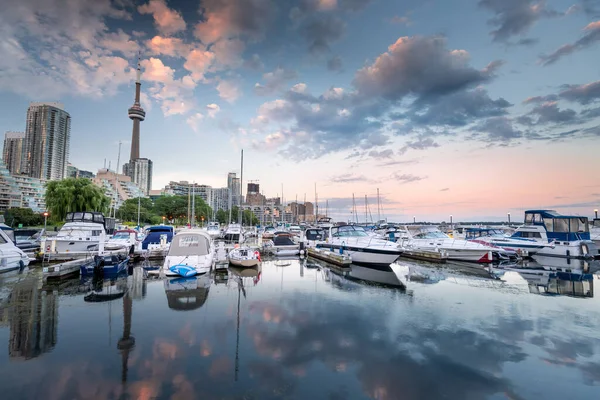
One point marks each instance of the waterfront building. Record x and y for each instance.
(234, 186)
(219, 199)
(138, 169)
(9, 191)
(33, 192)
(12, 151)
(118, 187)
(74, 172)
(46, 143)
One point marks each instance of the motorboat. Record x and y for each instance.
(595, 231)
(124, 239)
(353, 241)
(325, 223)
(186, 294)
(283, 245)
(81, 232)
(390, 233)
(191, 253)
(569, 236)
(158, 237)
(29, 240)
(213, 229)
(244, 256)
(268, 232)
(295, 230)
(11, 257)
(234, 234)
(430, 238)
(383, 276)
(106, 265)
(496, 238)
(313, 236)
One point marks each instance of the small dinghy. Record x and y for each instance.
(107, 265)
(183, 270)
(244, 257)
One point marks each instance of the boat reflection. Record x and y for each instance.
(185, 294)
(382, 276)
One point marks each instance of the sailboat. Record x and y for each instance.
(243, 256)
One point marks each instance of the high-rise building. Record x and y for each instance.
(33, 192)
(138, 169)
(117, 187)
(13, 150)
(219, 199)
(46, 143)
(234, 186)
(253, 188)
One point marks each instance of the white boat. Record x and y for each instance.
(268, 232)
(186, 294)
(283, 245)
(295, 230)
(244, 257)
(325, 223)
(11, 257)
(430, 238)
(81, 232)
(213, 229)
(234, 233)
(595, 232)
(497, 237)
(569, 236)
(124, 239)
(353, 241)
(192, 248)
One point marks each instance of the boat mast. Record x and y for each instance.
(241, 191)
(189, 204)
(282, 206)
(366, 209)
(327, 208)
(316, 203)
(378, 207)
(117, 182)
(193, 203)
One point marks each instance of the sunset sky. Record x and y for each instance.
(463, 107)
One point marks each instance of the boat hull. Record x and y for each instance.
(583, 249)
(365, 255)
(244, 263)
(201, 264)
(63, 246)
(107, 270)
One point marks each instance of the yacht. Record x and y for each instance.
(244, 257)
(496, 237)
(124, 239)
(11, 257)
(234, 233)
(283, 244)
(268, 232)
(191, 253)
(430, 238)
(353, 241)
(569, 236)
(595, 231)
(81, 232)
(325, 223)
(295, 230)
(213, 229)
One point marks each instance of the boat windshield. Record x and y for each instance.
(189, 245)
(431, 235)
(348, 231)
(77, 231)
(121, 235)
(213, 228)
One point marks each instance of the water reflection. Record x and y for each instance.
(286, 330)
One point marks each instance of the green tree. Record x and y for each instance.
(73, 195)
(25, 216)
(222, 216)
(201, 209)
(249, 218)
(172, 207)
(129, 210)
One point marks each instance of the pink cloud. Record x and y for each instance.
(167, 46)
(167, 21)
(198, 62)
(229, 90)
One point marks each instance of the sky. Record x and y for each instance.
(474, 109)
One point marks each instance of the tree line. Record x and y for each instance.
(80, 194)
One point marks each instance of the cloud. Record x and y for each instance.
(198, 62)
(514, 17)
(348, 178)
(168, 46)
(321, 31)
(527, 42)
(497, 129)
(194, 121)
(404, 20)
(444, 189)
(387, 153)
(421, 66)
(229, 90)
(212, 110)
(591, 8)
(334, 64)
(274, 81)
(167, 21)
(590, 37)
(175, 95)
(254, 62)
(234, 18)
(549, 112)
(421, 143)
(228, 53)
(582, 94)
(120, 42)
(406, 178)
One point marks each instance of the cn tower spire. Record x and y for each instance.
(137, 114)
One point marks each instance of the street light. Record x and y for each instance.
(414, 220)
(509, 218)
(164, 219)
(450, 221)
(596, 212)
(45, 220)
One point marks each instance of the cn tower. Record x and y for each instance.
(137, 114)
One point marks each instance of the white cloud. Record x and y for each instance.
(212, 110)
(194, 121)
(229, 90)
(167, 21)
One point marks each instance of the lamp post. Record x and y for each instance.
(596, 213)
(509, 218)
(414, 219)
(45, 220)
(450, 221)
(164, 219)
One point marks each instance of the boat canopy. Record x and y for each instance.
(94, 217)
(425, 232)
(160, 228)
(8, 231)
(314, 234)
(190, 244)
(348, 231)
(559, 227)
(283, 239)
(474, 233)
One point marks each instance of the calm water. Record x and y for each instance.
(299, 331)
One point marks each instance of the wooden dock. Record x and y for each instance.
(424, 255)
(341, 260)
(64, 270)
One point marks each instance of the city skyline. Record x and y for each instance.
(464, 108)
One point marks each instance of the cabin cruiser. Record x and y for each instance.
(157, 237)
(569, 236)
(392, 233)
(191, 253)
(11, 257)
(496, 237)
(268, 232)
(430, 238)
(283, 244)
(325, 223)
(213, 230)
(595, 231)
(124, 239)
(295, 230)
(363, 249)
(234, 233)
(313, 236)
(80, 233)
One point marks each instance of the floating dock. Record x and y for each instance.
(64, 270)
(155, 254)
(341, 260)
(425, 255)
